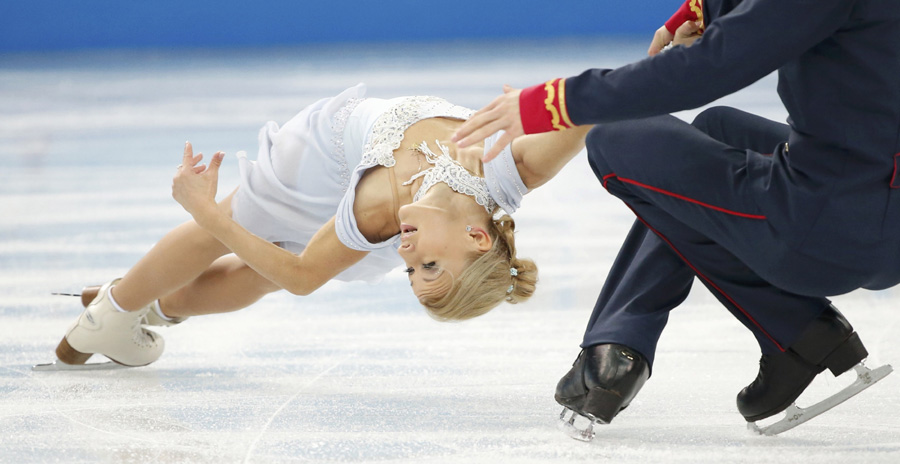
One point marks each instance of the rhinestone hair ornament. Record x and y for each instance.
(513, 272)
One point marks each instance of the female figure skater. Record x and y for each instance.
(348, 189)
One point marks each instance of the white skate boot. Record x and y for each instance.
(153, 317)
(153, 311)
(102, 329)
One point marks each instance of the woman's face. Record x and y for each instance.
(436, 247)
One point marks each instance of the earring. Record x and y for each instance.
(468, 228)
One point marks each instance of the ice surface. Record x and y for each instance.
(354, 373)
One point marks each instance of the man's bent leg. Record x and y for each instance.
(687, 188)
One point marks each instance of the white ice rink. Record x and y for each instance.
(354, 373)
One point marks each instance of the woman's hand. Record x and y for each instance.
(194, 185)
(661, 38)
(687, 33)
(500, 114)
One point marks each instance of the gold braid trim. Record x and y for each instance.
(551, 108)
(697, 8)
(562, 103)
(550, 104)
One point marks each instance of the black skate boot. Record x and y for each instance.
(828, 343)
(603, 381)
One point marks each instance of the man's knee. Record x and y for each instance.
(710, 118)
(607, 141)
(717, 120)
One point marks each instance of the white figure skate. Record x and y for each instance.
(101, 329)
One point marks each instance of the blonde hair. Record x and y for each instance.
(487, 281)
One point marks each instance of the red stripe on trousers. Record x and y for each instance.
(709, 281)
(681, 197)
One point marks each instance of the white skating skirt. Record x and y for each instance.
(301, 173)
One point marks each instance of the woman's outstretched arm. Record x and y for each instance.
(539, 157)
(194, 187)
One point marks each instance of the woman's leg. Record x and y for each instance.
(178, 258)
(185, 266)
(227, 285)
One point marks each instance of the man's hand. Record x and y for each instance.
(502, 114)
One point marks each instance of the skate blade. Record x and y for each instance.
(795, 416)
(61, 366)
(87, 295)
(568, 427)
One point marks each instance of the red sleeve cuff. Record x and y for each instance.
(543, 107)
(690, 10)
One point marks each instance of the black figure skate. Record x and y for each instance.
(603, 381)
(829, 343)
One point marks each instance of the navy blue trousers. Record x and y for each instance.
(684, 183)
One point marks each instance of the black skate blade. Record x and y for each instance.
(568, 427)
(794, 415)
(61, 366)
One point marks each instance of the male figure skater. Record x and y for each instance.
(772, 218)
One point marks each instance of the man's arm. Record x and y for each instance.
(737, 49)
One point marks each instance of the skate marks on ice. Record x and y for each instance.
(414, 394)
(252, 448)
(794, 415)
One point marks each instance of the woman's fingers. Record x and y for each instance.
(188, 159)
(188, 154)
(192, 161)
(195, 187)
(661, 38)
(214, 164)
(687, 33)
(687, 29)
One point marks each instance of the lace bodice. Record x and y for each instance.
(450, 172)
(387, 135)
(387, 132)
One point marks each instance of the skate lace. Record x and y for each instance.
(139, 334)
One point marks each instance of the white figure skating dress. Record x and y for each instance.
(306, 172)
